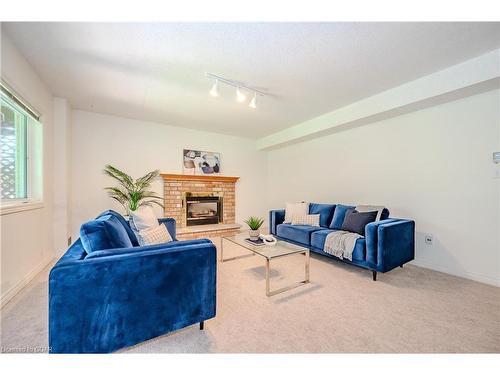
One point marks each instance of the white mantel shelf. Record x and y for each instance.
(205, 178)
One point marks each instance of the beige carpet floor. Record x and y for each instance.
(407, 310)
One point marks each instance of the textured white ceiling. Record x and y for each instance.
(156, 71)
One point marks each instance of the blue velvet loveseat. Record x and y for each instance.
(388, 243)
(114, 298)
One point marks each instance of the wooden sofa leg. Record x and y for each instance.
(202, 325)
(374, 274)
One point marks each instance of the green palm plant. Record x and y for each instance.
(130, 193)
(254, 223)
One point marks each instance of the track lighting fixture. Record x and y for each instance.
(241, 96)
(253, 103)
(215, 89)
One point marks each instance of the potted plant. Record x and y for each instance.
(254, 223)
(130, 193)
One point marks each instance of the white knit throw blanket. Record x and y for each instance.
(341, 243)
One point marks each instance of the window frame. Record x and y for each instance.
(21, 139)
(33, 200)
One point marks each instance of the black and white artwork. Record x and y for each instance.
(201, 162)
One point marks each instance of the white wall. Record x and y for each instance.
(138, 147)
(61, 181)
(434, 166)
(26, 237)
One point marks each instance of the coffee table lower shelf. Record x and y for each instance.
(266, 252)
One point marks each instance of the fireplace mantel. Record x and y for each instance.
(190, 177)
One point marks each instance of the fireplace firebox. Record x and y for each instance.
(201, 210)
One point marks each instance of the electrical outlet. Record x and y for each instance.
(428, 239)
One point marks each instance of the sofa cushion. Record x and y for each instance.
(125, 224)
(367, 208)
(339, 215)
(292, 209)
(318, 242)
(312, 220)
(356, 221)
(143, 218)
(158, 234)
(105, 232)
(296, 233)
(325, 212)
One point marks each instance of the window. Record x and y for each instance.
(20, 152)
(13, 152)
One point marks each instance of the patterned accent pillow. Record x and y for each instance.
(306, 220)
(153, 236)
(295, 209)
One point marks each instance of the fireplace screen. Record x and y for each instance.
(203, 210)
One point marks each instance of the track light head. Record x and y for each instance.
(215, 89)
(240, 97)
(253, 103)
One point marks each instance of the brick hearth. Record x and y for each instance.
(176, 186)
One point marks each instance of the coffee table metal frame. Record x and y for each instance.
(267, 252)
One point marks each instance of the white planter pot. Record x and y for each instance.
(254, 234)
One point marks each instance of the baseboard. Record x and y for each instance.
(460, 273)
(12, 292)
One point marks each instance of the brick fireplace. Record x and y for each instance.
(203, 206)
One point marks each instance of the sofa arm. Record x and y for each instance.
(390, 243)
(276, 217)
(104, 304)
(371, 238)
(170, 224)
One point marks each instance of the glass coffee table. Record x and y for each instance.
(281, 249)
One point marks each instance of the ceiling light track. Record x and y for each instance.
(240, 88)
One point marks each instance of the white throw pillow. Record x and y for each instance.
(306, 220)
(295, 209)
(153, 236)
(143, 218)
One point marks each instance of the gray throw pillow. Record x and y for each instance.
(356, 221)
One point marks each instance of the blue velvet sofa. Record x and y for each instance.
(388, 243)
(114, 298)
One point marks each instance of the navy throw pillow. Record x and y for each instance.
(356, 221)
(105, 232)
(339, 215)
(125, 224)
